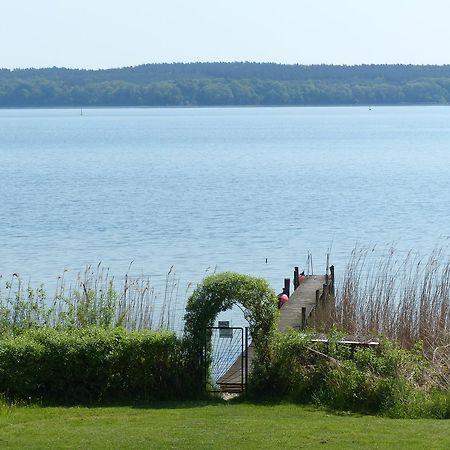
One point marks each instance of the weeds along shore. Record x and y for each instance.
(405, 298)
(95, 298)
(102, 338)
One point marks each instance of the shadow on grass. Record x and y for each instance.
(272, 401)
(126, 403)
(206, 401)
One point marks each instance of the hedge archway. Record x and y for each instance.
(221, 292)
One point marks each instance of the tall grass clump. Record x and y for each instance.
(94, 299)
(405, 299)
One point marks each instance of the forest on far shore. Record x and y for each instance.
(220, 84)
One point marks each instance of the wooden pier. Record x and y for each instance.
(296, 311)
(293, 314)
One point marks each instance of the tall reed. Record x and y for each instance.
(95, 299)
(406, 299)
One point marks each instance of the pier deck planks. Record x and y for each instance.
(303, 297)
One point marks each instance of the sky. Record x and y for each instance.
(118, 33)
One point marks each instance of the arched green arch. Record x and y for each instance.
(221, 292)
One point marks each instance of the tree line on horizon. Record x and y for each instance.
(221, 84)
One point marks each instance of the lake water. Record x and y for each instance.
(218, 189)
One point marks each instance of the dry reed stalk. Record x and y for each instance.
(404, 299)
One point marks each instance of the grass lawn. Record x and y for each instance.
(205, 425)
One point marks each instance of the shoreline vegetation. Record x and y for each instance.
(405, 299)
(105, 341)
(95, 298)
(87, 108)
(226, 84)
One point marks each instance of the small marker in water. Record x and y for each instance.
(266, 260)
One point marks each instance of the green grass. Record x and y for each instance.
(206, 425)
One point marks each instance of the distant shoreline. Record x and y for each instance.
(236, 84)
(86, 108)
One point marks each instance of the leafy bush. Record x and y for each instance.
(91, 365)
(387, 380)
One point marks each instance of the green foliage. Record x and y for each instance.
(92, 364)
(96, 300)
(387, 380)
(219, 293)
(419, 404)
(205, 84)
(287, 375)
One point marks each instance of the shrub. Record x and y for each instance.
(92, 365)
(387, 380)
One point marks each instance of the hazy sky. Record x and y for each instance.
(114, 33)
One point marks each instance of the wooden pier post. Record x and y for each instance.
(295, 278)
(287, 286)
(317, 298)
(332, 279)
(303, 319)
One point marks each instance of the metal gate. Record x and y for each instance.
(226, 359)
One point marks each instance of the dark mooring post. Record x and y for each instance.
(303, 318)
(287, 286)
(332, 278)
(295, 278)
(317, 298)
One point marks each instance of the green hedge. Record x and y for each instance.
(388, 380)
(92, 365)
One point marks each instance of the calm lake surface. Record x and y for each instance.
(218, 189)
